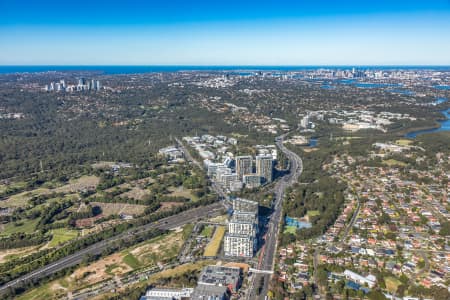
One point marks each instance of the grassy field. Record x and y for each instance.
(207, 231)
(21, 199)
(132, 261)
(403, 142)
(48, 291)
(109, 269)
(177, 271)
(213, 246)
(290, 229)
(392, 284)
(219, 219)
(136, 193)
(165, 275)
(76, 185)
(62, 235)
(160, 249)
(28, 226)
(182, 192)
(97, 271)
(313, 213)
(8, 254)
(243, 266)
(118, 208)
(393, 162)
(103, 165)
(187, 230)
(16, 185)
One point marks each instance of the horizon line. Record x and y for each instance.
(224, 65)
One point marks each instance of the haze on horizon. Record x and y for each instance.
(227, 33)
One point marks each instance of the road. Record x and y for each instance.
(171, 222)
(315, 264)
(187, 154)
(190, 216)
(270, 246)
(191, 159)
(352, 221)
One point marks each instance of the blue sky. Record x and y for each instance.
(225, 32)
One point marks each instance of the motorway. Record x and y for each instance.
(190, 216)
(270, 246)
(171, 222)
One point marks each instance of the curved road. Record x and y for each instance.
(270, 245)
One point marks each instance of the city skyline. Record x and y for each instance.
(203, 33)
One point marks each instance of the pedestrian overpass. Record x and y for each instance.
(252, 270)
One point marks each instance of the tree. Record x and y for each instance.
(376, 295)
(322, 277)
(445, 229)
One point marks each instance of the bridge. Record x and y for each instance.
(260, 271)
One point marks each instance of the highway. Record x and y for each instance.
(270, 246)
(190, 216)
(171, 222)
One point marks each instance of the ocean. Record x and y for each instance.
(122, 69)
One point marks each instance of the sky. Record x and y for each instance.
(245, 32)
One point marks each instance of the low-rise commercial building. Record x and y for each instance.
(167, 294)
(229, 277)
(210, 292)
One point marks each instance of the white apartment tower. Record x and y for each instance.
(241, 239)
(238, 245)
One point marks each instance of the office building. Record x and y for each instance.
(305, 122)
(83, 85)
(264, 167)
(230, 277)
(167, 294)
(229, 162)
(171, 152)
(210, 292)
(220, 171)
(212, 169)
(228, 179)
(236, 186)
(244, 165)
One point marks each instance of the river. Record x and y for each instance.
(444, 126)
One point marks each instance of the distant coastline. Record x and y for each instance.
(134, 69)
